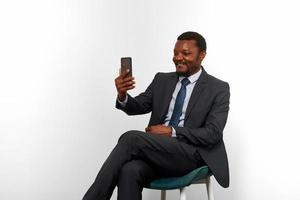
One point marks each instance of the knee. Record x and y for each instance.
(129, 170)
(129, 136)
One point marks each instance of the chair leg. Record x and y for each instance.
(209, 189)
(182, 193)
(163, 195)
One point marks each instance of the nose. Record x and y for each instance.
(178, 57)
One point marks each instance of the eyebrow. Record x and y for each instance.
(187, 49)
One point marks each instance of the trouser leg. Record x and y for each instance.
(106, 180)
(166, 155)
(133, 176)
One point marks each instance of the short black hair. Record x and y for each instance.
(190, 35)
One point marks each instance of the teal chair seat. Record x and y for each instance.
(199, 175)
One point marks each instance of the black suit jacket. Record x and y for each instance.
(205, 117)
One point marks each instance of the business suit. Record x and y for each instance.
(199, 141)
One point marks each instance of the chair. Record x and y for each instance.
(198, 176)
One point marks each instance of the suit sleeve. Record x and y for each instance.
(212, 131)
(140, 104)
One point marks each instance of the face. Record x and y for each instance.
(187, 57)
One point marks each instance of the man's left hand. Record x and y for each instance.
(159, 130)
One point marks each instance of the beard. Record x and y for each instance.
(185, 74)
(182, 69)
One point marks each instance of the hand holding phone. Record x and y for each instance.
(124, 81)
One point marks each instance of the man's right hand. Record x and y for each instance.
(123, 84)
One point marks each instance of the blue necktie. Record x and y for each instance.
(177, 111)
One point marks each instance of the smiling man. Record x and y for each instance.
(189, 110)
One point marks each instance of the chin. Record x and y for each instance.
(182, 73)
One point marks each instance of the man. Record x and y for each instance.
(189, 110)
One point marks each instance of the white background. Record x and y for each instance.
(58, 61)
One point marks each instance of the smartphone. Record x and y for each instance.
(126, 63)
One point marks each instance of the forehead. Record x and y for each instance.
(185, 45)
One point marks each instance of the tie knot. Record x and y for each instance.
(185, 81)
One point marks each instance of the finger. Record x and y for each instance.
(126, 89)
(130, 78)
(129, 83)
(129, 88)
(124, 85)
(124, 73)
(120, 82)
(155, 133)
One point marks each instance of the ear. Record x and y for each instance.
(202, 55)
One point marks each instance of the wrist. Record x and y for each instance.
(121, 97)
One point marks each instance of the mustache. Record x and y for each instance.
(180, 63)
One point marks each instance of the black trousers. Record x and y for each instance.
(137, 159)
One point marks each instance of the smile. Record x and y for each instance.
(180, 65)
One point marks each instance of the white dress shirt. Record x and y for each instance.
(189, 89)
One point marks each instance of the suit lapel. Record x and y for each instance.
(167, 94)
(199, 87)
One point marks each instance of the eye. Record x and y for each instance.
(186, 53)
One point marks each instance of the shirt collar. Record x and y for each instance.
(193, 78)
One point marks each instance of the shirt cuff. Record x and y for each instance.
(173, 132)
(123, 103)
